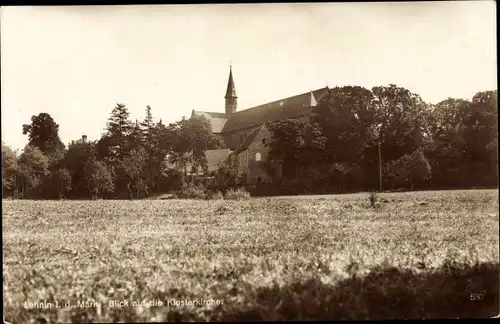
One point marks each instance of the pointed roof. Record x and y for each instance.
(248, 140)
(231, 90)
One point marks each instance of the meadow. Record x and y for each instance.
(413, 255)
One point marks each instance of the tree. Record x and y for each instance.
(136, 136)
(190, 139)
(77, 157)
(33, 167)
(130, 172)
(297, 144)
(447, 148)
(411, 168)
(99, 178)
(346, 117)
(148, 128)
(43, 133)
(119, 128)
(9, 171)
(159, 144)
(398, 128)
(57, 184)
(481, 128)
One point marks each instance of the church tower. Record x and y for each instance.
(231, 102)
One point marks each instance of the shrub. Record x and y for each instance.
(215, 195)
(237, 194)
(192, 192)
(373, 199)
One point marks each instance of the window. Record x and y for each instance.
(257, 156)
(264, 141)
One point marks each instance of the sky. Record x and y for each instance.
(76, 63)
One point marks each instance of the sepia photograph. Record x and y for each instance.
(249, 162)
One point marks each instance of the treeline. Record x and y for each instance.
(131, 160)
(339, 147)
(353, 131)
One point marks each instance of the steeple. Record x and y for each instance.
(231, 102)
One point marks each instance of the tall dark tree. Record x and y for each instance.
(57, 184)
(119, 128)
(296, 143)
(77, 156)
(447, 148)
(43, 133)
(148, 127)
(347, 118)
(399, 117)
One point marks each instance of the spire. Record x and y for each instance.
(231, 98)
(231, 90)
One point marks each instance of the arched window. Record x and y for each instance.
(257, 156)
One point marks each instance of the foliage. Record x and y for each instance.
(57, 184)
(119, 129)
(130, 172)
(346, 117)
(297, 143)
(33, 167)
(99, 179)
(411, 168)
(191, 191)
(9, 170)
(337, 148)
(228, 176)
(237, 194)
(43, 133)
(191, 138)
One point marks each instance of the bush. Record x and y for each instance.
(373, 199)
(192, 192)
(237, 194)
(215, 195)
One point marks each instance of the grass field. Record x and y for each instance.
(415, 255)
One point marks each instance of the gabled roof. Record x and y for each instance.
(218, 120)
(277, 110)
(248, 140)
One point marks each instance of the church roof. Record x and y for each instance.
(218, 120)
(248, 140)
(277, 110)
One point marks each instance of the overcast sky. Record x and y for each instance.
(76, 63)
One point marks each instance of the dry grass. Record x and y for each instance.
(418, 254)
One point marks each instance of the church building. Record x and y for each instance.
(244, 133)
